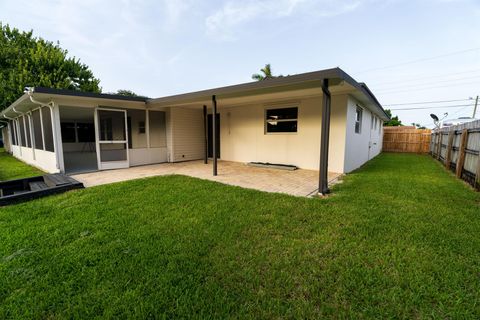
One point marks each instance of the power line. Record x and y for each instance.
(428, 88)
(417, 77)
(457, 112)
(421, 60)
(387, 87)
(425, 102)
(437, 107)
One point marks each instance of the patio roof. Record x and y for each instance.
(46, 95)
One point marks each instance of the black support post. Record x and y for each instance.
(214, 135)
(323, 181)
(205, 133)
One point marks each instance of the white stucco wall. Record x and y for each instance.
(243, 137)
(363, 146)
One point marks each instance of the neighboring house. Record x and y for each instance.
(276, 121)
(455, 122)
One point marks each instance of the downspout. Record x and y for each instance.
(324, 140)
(214, 134)
(19, 134)
(205, 135)
(50, 106)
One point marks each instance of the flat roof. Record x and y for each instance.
(76, 93)
(335, 76)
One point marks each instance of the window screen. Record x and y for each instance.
(47, 129)
(158, 136)
(37, 130)
(137, 137)
(13, 132)
(21, 128)
(282, 120)
(28, 132)
(106, 133)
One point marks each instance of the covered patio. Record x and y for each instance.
(297, 183)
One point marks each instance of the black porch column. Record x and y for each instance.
(205, 133)
(323, 181)
(214, 134)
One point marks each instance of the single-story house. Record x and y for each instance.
(323, 120)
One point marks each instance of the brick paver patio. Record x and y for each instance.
(299, 182)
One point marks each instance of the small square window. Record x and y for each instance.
(282, 120)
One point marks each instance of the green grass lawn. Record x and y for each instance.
(399, 238)
(11, 168)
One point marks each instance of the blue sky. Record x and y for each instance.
(405, 50)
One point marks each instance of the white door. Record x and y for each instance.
(111, 138)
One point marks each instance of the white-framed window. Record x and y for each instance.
(281, 120)
(358, 119)
(375, 122)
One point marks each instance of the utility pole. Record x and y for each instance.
(475, 108)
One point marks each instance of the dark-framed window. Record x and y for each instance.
(141, 127)
(68, 132)
(281, 120)
(358, 119)
(77, 132)
(85, 132)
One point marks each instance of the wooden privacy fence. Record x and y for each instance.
(458, 148)
(406, 139)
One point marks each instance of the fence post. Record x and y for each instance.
(448, 156)
(439, 145)
(461, 152)
(477, 176)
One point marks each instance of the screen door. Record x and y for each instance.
(112, 138)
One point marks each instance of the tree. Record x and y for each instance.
(394, 121)
(125, 92)
(27, 61)
(418, 125)
(267, 74)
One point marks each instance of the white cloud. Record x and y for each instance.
(224, 22)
